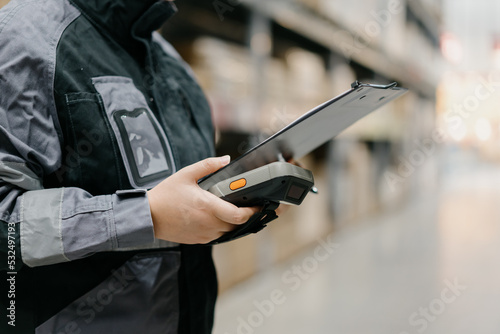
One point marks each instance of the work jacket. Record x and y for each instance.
(96, 108)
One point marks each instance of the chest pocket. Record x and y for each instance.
(143, 145)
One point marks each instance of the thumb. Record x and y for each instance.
(207, 166)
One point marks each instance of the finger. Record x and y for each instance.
(217, 225)
(294, 162)
(204, 167)
(226, 227)
(215, 237)
(222, 228)
(232, 214)
(282, 209)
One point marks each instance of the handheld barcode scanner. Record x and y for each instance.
(260, 178)
(277, 182)
(267, 186)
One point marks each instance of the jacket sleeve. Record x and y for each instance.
(44, 226)
(55, 225)
(63, 224)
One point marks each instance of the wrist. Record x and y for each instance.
(152, 206)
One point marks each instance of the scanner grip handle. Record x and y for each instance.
(255, 224)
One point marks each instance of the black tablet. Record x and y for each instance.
(311, 130)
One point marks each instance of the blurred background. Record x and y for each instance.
(404, 235)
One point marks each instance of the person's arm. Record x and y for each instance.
(63, 224)
(55, 225)
(50, 225)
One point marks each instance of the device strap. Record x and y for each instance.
(256, 223)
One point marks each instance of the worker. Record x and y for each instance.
(104, 133)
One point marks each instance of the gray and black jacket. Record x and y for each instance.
(95, 108)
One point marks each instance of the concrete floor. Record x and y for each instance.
(431, 267)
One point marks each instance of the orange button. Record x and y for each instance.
(238, 184)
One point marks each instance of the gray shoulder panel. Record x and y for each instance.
(29, 34)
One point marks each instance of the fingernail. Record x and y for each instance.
(225, 159)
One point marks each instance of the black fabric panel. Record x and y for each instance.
(148, 280)
(85, 52)
(198, 286)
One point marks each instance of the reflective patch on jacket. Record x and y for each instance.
(144, 147)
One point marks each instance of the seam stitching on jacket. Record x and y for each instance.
(22, 237)
(115, 243)
(70, 117)
(112, 138)
(69, 102)
(99, 206)
(60, 224)
(51, 68)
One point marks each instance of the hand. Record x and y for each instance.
(282, 209)
(182, 212)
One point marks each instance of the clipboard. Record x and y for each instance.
(311, 130)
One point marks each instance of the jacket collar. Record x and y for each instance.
(127, 20)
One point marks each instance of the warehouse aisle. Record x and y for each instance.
(430, 267)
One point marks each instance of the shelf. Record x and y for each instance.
(334, 36)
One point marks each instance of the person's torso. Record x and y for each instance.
(129, 117)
